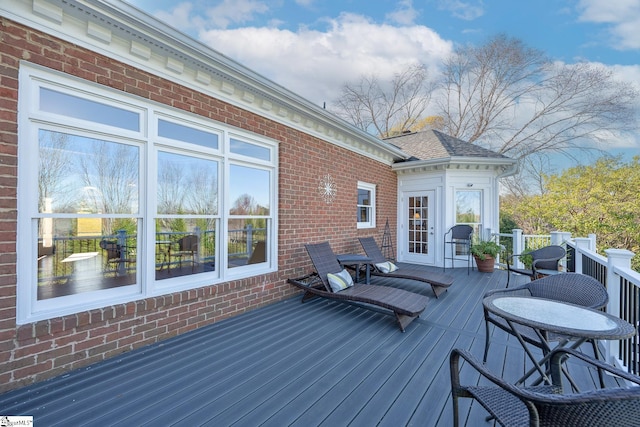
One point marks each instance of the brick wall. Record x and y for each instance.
(34, 352)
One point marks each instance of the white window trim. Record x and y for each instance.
(372, 220)
(31, 78)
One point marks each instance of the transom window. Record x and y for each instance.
(366, 205)
(121, 199)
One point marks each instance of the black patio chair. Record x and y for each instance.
(573, 288)
(546, 258)
(187, 247)
(117, 258)
(458, 237)
(545, 405)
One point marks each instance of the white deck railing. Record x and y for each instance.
(613, 270)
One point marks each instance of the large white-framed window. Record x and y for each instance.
(121, 198)
(366, 205)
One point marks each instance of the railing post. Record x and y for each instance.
(122, 244)
(518, 246)
(249, 230)
(581, 243)
(620, 258)
(198, 232)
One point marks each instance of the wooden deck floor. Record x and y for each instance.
(321, 363)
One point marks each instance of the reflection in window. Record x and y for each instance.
(76, 256)
(185, 246)
(250, 150)
(188, 134)
(469, 209)
(250, 190)
(82, 183)
(187, 185)
(85, 109)
(247, 241)
(86, 175)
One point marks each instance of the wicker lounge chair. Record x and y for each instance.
(566, 287)
(545, 405)
(439, 282)
(546, 258)
(405, 305)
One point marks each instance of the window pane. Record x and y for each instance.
(363, 214)
(187, 134)
(84, 109)
(468, 207)
(364, 197)
(247, 242)
(185, 246)
(86, 175)
(187, 185)
(77, 255)
(249, 191)
(250, 150)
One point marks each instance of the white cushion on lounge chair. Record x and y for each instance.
(340, 281)
(387, 267)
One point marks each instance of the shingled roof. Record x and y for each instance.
(432, 144)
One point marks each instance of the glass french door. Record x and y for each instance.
(419, 237)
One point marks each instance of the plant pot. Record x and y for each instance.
(487, 265)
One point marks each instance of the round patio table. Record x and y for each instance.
(576, 323)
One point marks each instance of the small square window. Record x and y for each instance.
(366, 209)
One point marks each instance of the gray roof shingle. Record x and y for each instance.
(432, 144)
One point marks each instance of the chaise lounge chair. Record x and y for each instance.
(439, 282)
(405, 305)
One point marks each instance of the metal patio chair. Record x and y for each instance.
(458, 236)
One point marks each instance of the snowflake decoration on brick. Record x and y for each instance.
(327, 188)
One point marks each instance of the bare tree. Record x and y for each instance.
(203, 195)
(54, 168)
(514, 100)
(386, 108)
(111, 169)
(172, 187)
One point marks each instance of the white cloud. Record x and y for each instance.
(235, 12)
(224, 14)
(405, 14)
(622, 16)
(315, 64)
(466, 10)
(180, 17)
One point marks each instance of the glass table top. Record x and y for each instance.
(555, 314)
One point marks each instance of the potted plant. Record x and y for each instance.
(485, 253)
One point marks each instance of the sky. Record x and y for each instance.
(313, 47)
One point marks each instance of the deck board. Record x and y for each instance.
(319, 363)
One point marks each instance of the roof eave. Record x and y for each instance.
(506, 166)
